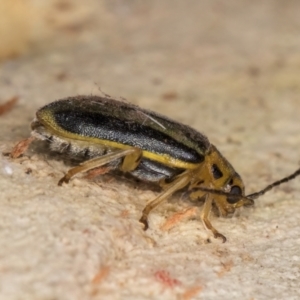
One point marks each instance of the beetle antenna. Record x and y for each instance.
(271, 186)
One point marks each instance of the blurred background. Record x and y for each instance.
(170, 48)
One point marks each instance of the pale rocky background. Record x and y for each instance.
(231, 69)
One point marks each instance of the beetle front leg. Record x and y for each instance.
(205, 218)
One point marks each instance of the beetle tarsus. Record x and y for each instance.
(221, 236)
(144, 221)
(63, 180)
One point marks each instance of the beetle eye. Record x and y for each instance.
(235, 190)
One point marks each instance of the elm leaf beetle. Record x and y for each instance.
(151, 147)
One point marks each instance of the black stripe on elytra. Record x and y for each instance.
(126, 132)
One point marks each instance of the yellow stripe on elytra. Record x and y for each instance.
(46, 118)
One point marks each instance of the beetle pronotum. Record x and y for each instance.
(151, 147)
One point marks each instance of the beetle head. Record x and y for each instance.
(219, 179)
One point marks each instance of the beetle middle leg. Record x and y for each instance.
(131, 156)
(179, 183)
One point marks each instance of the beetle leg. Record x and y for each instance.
(179, 183)
(196, 195)
(205, 218)
(21, 147)
(131, 161)
(98, 162)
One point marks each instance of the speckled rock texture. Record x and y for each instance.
(229, 69)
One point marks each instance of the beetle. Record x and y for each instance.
(102, 131)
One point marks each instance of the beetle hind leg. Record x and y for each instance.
(130, 162)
